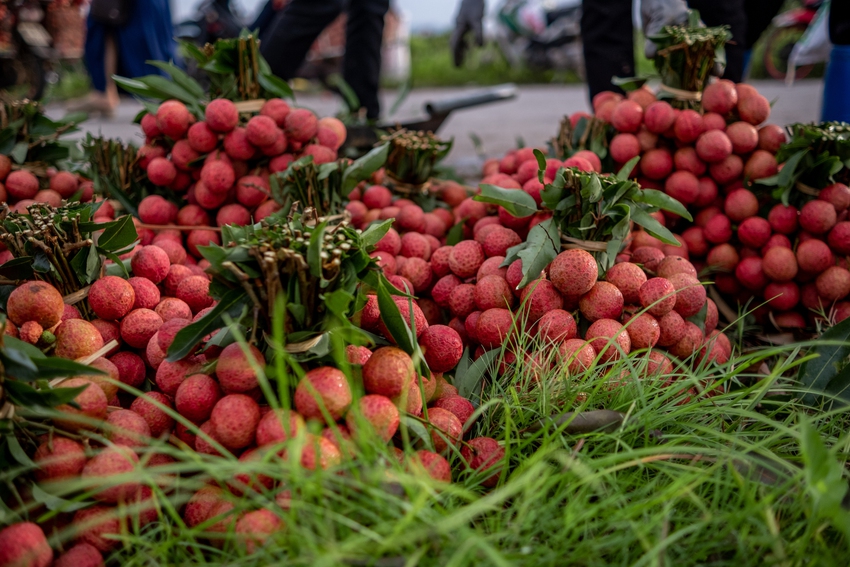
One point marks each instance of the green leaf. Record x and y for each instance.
(118, 234)
(652, 226)
(543, 244)
(190, 336)
(468, 382)
(18, 452)
(314, 250)
(516, 201)
(362, 168)
(455, 234)
(541, 164)
(374, 233)
(180, 77)
(18, 269)
(55, 503)
(19, 152)
(55, 367)
(136, 87)
(168, 89)
(664, 201)
(24, 395)
(31, 351)
(832, 350)
(393, 321)
(626, 170)
(275, 85)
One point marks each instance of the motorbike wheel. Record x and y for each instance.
(24, 76)
(778, 49)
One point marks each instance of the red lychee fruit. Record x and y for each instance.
(780, 264)
(196, 396)
(692, 339)
(751, 274)
(35, 301)
(65, 183)
(727, 170)
(656, 164)
(234, 420)
(720, 97)
(445, 428)
(573, 272)
(378, 412)
(277, 426)
(657, 295)
(112, 461)
(388, 371)
(817, 217)
(127, 428)
(603, 301)
(494, 327)
(77, 338)
(741, 204)
(713, 146)
(484, 454)
(24, 545)
(139, 326)
(465, 258)
(538, 298)
(442, 347)
(59, 458)
(82, 554)
(150, 262)
(753, 108)
(556, 326)
(833, 283)
(644, 331)
(221, 115)
(327, 388)
(814, 256)
(301, 125)
(659, 117)
(234, 370)
(111, 297)
(159, 422)
(91, 406)
(690, 294)
(172, 119)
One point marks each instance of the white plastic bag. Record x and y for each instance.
(813, 47)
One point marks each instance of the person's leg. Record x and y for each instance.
(608, 42)
(110, 64)
(836, 84)
(288, 38)
(361, 66)
(729, 13)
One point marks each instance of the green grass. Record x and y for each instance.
(722, 467)
(432, 66)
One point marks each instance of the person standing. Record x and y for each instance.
(288, 38)
(122, 35)
(608, 35)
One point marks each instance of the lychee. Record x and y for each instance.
(23, 544)
(603, 301)
(378, 412)
(573, 272)
(59, 458)
(127, 428)
(35, 301)
(139, 326)
(494, 327)
(77, 338)
(326, 389)
(484, 454)
(221, 115)
(159, 422)
(442, 347)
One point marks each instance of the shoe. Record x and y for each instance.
(93, 103)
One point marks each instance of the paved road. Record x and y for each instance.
(533, 116)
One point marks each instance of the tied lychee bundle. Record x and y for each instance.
(412, 159)
(685, 57)
(28, 171)
(64, 246)
(311, 266)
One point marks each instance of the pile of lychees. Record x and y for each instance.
(220, 165)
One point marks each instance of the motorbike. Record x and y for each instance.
(542, 34)
(213, 20)
(788, 28)
(25, 48)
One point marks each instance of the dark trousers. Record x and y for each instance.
(288, 39)
(608, 36)
(839, 22)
